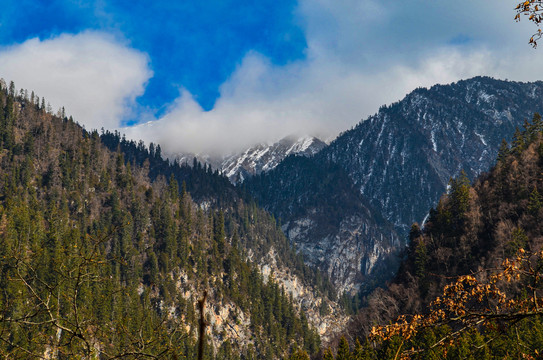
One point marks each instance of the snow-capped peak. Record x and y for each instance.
(261, 158)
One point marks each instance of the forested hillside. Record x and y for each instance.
(105, 249)
(470, 286)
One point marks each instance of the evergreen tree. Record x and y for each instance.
(328, 354)
(459, 195)
(343, 351)
(537, 123)
(503, 152)
(299, 355)
(519, 142)
(536, 202)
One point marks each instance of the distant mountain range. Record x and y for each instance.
(262, 158)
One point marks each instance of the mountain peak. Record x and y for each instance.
(264, 157)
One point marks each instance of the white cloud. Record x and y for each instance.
(262, 102)
(94, 76)
(361, 54)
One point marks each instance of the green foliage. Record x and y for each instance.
(519, 240)
(519, 142)
(421, 259)
(536, 202)
(98, 251)
(328, 354)
(299, 355)
(503, 152)
(459, 194)
(343, 351)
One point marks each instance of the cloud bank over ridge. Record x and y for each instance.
(360, 55)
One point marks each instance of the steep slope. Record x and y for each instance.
(331, 223)
(101, 256)
(402, 157)
(486, 240)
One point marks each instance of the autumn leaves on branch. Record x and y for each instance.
(534, 10)
(475, 302)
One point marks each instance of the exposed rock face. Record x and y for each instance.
(326, 316)
(354, 254)
(226, 320)
(330, 222)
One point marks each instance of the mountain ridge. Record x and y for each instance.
(401, 159)
(258, 158)
(438, 132)
(465, 274)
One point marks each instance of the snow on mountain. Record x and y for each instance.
(259, 158)
(262, 158)
(403, 157)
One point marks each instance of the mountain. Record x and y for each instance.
(403, 157)
(262, 158)
(469, 286)
(400, 160)
(106, 248)
(259, 158)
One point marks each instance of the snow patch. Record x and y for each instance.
(483, 96)
(482, 138)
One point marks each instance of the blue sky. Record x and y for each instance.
(194, 44)
(205, 76)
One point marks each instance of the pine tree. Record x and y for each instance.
(535, 202)
(219, 233)
(299, 355)
(519, 142)
(537, 123)
(421, 258)
(363, 352)
(503, 152)
(328, 354)
(343, 352)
